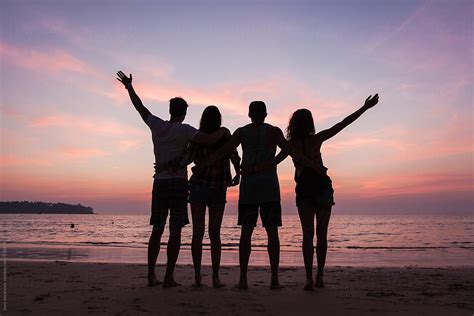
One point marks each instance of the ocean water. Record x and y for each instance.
(354, 240)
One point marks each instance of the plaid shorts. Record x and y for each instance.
(169, 195)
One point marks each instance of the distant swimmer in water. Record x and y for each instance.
(72, 226)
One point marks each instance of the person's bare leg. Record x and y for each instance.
(306, 214)
(322, 223)
(273, 248)
(174, 243)
(198, 212)
(245, 248)
(216, 213)
(154, 245)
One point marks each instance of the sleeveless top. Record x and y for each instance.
(310, 183)
(261, 186)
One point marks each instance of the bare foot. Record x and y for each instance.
(170, 283)
(275, 285)
(197, 281)
(309, 285)
(319, 282)
(243, 284)
(152, 281)
(216, 283)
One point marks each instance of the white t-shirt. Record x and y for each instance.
(170, 140)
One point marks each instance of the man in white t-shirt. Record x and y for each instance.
(170, 187)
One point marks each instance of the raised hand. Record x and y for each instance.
(370, 101)
(126, 81)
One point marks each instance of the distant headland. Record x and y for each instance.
(26, 207)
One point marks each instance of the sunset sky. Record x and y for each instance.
(69, 132)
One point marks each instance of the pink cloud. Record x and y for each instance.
(130, 144)
(350, 143)
(393, 184)
(51, 60)
(234, 99)
(52, 158)
(14, 160)
(322, 110)
(408, 143)
(103, 126)
(57, 62)
(282, 96)
(81, 189)
(81, 153)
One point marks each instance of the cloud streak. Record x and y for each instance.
(99, 126)
(51, 60)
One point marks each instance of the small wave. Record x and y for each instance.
(374, 234)
(72, 244)
(395, 248)
(106, 243)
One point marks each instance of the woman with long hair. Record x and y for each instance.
(208, 187)
(314, 192)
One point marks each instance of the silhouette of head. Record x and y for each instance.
(257, 111)
(211, 119)
(301, 125)
(178, 109)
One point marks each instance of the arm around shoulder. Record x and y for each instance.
(228, 147)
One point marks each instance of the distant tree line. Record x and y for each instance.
(26, 207)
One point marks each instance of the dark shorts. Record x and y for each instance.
(270, 212)
(199, 193)
(317, 189)
(169, 195)
(321, 198)
(312, 205)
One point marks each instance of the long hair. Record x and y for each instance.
(301, 125)
(211, 119)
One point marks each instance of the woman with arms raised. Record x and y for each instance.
(314, 192)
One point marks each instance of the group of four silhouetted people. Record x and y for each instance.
(212, 148)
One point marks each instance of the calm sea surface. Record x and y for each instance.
(354, 240)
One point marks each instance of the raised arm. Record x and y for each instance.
(330, 132)
(137, 103)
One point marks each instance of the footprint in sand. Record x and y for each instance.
(14, 273)
(41, 297)
(25, 310)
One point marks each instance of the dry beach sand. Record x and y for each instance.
(44, 288)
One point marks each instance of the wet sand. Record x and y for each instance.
(44, 288)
